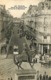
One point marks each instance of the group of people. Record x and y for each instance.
(44, 57)
(39, 57)
(43, 77)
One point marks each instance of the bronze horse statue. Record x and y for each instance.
(19, 59)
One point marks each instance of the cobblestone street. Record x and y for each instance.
(7, 68)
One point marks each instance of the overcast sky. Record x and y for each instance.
(24, 3)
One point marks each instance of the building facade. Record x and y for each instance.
(6, 21)
(2, 8)
(29, 17)
(43, 27)
(39, 18)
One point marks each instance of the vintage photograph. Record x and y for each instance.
(25, 39)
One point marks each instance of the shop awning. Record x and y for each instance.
(40, 42)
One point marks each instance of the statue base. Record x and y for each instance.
(25, 74)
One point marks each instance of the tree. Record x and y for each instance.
(8, 30)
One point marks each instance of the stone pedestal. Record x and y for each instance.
(25, 75)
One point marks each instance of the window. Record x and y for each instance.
(49, 7)
(45, 28)
(42, 5)
(45, 37)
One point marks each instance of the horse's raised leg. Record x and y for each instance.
(19, 66)
(33, 62)
(31, 65)
(7, 55)
(1, 50)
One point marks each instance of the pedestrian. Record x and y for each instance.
(8, 78)
(40, 76)
(11, 78)
(49, 78)
(41, 57)
(44, 76)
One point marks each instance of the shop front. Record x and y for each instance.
(44, 48)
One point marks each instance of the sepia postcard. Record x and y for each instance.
(25, 39)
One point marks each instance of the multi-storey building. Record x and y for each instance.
(43, 27)
(29, 17)
(39, 18)
(2, 9)
(5, 23)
